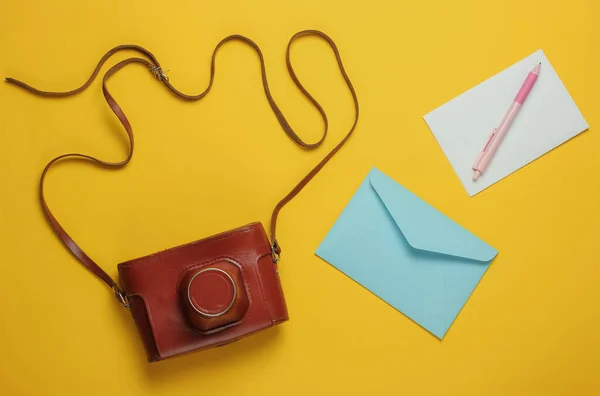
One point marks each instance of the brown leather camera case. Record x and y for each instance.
(152, 287)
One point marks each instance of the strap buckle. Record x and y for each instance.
(275, 251)
(120, 295)
(159, 73)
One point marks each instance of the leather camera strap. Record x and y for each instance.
(152, 63)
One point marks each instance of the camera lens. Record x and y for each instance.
(211, 292)
(214, 296)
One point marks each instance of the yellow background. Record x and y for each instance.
(530, 328)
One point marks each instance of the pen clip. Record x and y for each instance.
(482, 153)
(490, 140)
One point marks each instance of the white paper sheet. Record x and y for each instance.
(548, 118)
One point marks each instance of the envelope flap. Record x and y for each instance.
(423, 226)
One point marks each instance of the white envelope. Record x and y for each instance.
(548, 118)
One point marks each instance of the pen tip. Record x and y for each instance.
(536, 69)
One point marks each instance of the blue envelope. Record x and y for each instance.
(407, 252)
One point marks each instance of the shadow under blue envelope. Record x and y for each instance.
(407, 252)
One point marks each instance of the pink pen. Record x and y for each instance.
(498, 134)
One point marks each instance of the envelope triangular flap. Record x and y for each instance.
(424, 227)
